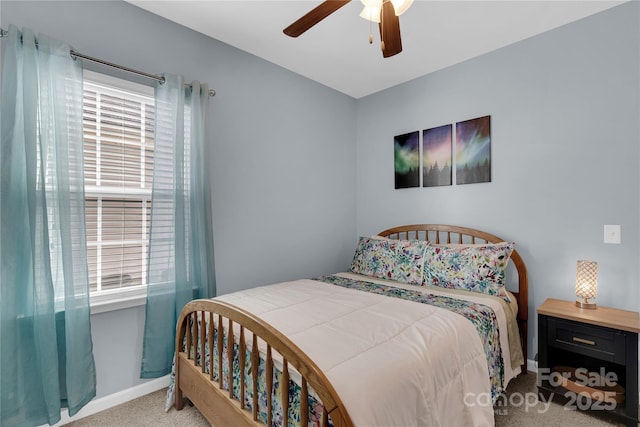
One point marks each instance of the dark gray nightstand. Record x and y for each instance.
(603, 340)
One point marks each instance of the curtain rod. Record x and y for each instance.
(74, 55)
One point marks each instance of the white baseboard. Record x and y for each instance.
(115, 399)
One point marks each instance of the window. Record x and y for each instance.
(118, 124)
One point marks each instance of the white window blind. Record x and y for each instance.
(118, 124)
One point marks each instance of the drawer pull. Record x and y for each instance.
(583, 341)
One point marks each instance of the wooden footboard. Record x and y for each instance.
(217, 404)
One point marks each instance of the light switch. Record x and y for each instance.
(612, 234)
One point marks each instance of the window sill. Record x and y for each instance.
(103, 303)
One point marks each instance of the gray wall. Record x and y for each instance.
(282, 159)
(565, 135)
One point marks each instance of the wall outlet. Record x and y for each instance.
(612, 234)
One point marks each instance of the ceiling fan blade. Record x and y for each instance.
(389, 30)
(316, 15)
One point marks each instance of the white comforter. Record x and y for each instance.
(393, 362)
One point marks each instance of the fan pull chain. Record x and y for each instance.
(370, 27)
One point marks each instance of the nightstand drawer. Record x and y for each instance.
(589, 340)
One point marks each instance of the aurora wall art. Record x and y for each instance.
(473, 151)
(436, 156)
(406, 153)
(426, 158)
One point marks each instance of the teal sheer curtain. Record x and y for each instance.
(181, 266)
(46, 353)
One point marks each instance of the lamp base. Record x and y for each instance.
(585, 304)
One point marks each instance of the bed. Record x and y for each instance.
(323, 352)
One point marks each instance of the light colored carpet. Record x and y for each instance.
(517, 413)
(145, 411)
(149, 411)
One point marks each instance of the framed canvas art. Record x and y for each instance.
(473, 150)
(436, 156)
(406, 154)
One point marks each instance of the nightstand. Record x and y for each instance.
(603, 341)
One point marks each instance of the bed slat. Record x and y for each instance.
(211, 331)
(304, 404)
(255, 358)
(219, 349)
(242, 348)
(230, 345)
(194, 336)
(325, 418)
(284, 390)
(203, 339)
(187, 345)
(268, 372)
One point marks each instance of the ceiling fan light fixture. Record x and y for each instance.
(401, 6)
(371, 14)
(371, 10)
(382, 12)
(373, 3)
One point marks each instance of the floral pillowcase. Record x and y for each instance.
(398, 260)
(477, 268)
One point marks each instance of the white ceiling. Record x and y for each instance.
(336, 52)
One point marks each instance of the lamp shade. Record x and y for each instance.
(586, 282)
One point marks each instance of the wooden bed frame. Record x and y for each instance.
(218, 405)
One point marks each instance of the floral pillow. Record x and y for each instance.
(477, 268)
(398, 260)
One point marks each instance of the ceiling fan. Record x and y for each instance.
(384, 12)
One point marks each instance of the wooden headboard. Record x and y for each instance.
(441, 233)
